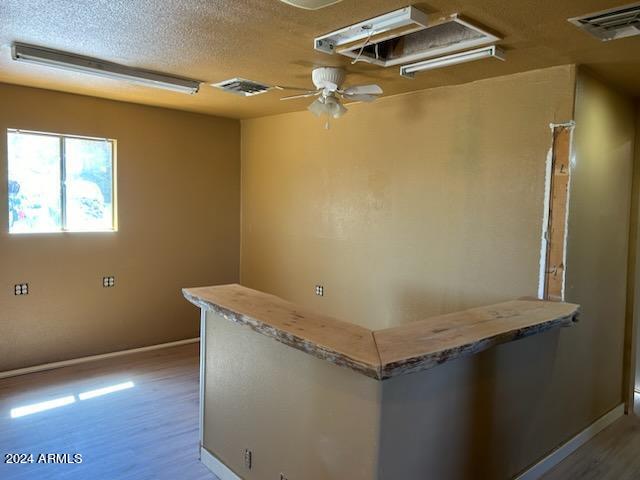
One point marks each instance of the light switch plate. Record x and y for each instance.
(21, 289)
(320, 290)
(108, 282)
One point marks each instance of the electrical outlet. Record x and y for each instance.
(108, 282)
(248, 459)
(320, 290)
(21, 289)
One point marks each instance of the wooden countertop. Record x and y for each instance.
(383, 354)
(333, 340)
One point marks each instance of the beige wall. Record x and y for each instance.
(178, 192)
(409, 207)
(598, 238)
(512, 405)
(635, 327)
(299, 415)
(432, 202)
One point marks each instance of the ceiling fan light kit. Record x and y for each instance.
(329, 106)
(328, 82)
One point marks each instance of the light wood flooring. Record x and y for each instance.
(148, 431)
(613, 454)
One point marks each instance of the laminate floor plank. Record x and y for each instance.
(148, 431)
(613, 454)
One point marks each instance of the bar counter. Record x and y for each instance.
(382, 354)
(289, 393)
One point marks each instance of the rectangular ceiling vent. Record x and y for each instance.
(611, 24)
(242, 86)
(406, 42)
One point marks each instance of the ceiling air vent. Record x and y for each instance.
(242, 86)
(611, 24)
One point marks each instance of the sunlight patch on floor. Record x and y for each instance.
(42, 406)
(105, 391)
(67, 400)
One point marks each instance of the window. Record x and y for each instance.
(60, 183)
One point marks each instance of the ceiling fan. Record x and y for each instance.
(328, 82)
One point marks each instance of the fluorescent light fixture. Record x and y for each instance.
(105, 391)
(408, 19)
(444, 36)
(42, 406)
(77, 63)
(454, 59)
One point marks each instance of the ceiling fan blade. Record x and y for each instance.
(360, 98)
(363, 89)
(286, 87)
(304, 95)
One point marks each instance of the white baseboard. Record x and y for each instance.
(93, 358)
(566, 449)
(216, 466)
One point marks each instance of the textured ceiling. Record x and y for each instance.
(270, 41)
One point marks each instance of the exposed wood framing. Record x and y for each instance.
(558, 209)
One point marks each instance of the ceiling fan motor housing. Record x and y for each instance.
(323, 75)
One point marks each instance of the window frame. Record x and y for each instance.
(62, 137)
